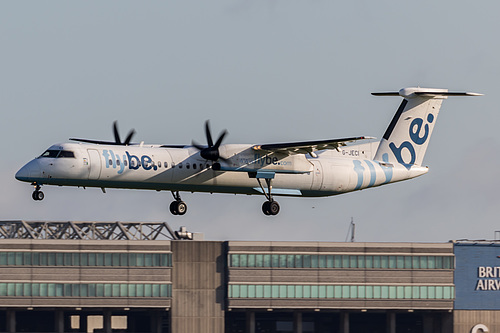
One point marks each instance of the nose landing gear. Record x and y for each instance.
(37, 195)
(178, 207)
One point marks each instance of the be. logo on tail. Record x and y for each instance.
(415, 131)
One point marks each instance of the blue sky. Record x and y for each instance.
(267, 71)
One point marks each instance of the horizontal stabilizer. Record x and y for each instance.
(423, 93)
(414, 92)
(385, 93)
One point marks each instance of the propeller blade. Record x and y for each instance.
(197, 146)
(210, 152)
(221, 137)
(129, 137)
(208, 134)
(115, 132)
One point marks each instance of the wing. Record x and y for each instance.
(307, 147)
(99, 142)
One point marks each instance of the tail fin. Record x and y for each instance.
(405, 140)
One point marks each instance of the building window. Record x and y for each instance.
(339, 291)
(84, 290)
(341, 261)
(85, 259)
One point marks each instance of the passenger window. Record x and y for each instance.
(165, 164)
(194, 166)
(125, 162)
(173, 165)
(159, 164)
(188, 165)
(118, 162)
(180, 165)
(110, 162)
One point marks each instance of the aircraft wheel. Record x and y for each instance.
(265, 208)
(274, 208)
(173, 208)
(181, 208)
(178, 207)
(38, 195)
(270, 208)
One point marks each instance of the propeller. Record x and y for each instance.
(117, 135)
(212, 151)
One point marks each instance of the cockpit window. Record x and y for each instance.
(51, 153)
(66, 153)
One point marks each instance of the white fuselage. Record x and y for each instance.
(309, 168)
(153, 167)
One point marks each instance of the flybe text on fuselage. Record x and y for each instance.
(261, 161)
(132, 162)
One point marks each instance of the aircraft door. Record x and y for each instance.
(94, 164)
(164, 161)
(317, 175)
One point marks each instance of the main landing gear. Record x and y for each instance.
(270, 207)
(37, 195)
(178, 207)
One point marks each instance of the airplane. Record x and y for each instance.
(298, 169)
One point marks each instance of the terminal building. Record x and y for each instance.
(140, 277)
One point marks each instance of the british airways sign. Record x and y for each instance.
(488, 278)
(477, 276)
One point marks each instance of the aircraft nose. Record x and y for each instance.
(29, 172)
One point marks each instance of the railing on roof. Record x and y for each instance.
(476, 241)
(20, 229)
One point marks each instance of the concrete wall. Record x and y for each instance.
(198, 287)
(464, 321)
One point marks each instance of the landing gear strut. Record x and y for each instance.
(37, 195)
(177, 207)
(270, 207)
